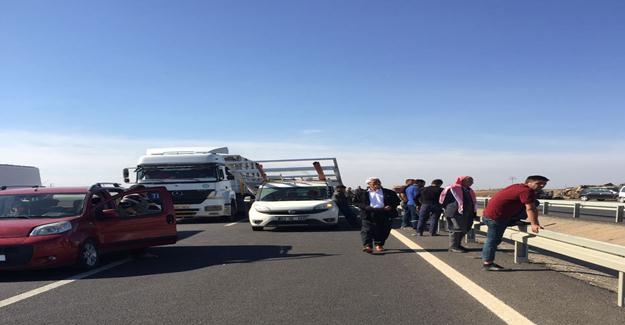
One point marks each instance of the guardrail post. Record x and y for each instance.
(619, 213)
(442, 223)
(470, 237)
(485, 202)
(576, 208)
(520, 252)
(621, 288)
(545, 207)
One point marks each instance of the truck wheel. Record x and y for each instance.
(234, 211)
(254, 228)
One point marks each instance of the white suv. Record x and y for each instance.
(299, 203)
(621, 195)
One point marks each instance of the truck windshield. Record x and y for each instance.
(178, 173)
(307, 193)
(41, 205)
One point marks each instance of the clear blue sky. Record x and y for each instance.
(395, 89)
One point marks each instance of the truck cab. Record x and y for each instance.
(199, 180)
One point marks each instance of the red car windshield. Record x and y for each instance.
(55, 205)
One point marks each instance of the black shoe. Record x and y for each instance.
(492, 267)
(458, 249)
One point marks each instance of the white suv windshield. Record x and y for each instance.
(308, 193)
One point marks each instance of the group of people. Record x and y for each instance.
(457, 202)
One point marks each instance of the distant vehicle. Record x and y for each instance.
(12, 176)
(203, 182)
(621, 195)
(543, 194)
(290, 197)
(57, 226)
(596, 193)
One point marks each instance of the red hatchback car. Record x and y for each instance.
(49, 227)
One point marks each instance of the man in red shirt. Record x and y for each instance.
(514, 202)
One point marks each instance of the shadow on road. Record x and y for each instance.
(173, 259)
(170, 259)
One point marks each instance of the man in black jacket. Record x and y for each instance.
(430, 207)
(378, 207)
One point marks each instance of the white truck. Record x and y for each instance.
(203, 182)
(19, 176)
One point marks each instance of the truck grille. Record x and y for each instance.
(190, 197)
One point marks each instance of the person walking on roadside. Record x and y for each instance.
(407, 200)
(342, 202)
(430, 207)
(350, 195)
(420, 184)
(515, 202)
(459, 203)
(378, 207)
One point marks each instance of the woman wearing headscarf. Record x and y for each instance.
(459, 204)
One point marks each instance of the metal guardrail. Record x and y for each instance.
(578, 208)
(595, 252)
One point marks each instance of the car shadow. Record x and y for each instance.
(168, 259)
(174, 259)
(184, 234)
(204, 220)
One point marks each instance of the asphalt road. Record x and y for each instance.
(222, 273)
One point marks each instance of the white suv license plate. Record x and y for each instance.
(291, 218)
(3, 258)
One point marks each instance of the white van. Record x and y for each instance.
(294, 203)
(12, 176)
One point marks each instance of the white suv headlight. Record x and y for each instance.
(324, 206)
(262, 208)
(51, 229)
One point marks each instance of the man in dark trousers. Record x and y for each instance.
(517, 201)
(343, 202)
(430, 207)
(378, 207)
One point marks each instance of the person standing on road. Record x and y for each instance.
(430, 207)
(459, 204)
(515, 202)
(420, 184)
(342, 202)
(378, 207)
(407, 196)
(350, 195)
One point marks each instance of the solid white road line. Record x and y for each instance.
(498, 307)
(231, 224)
(54, 285)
